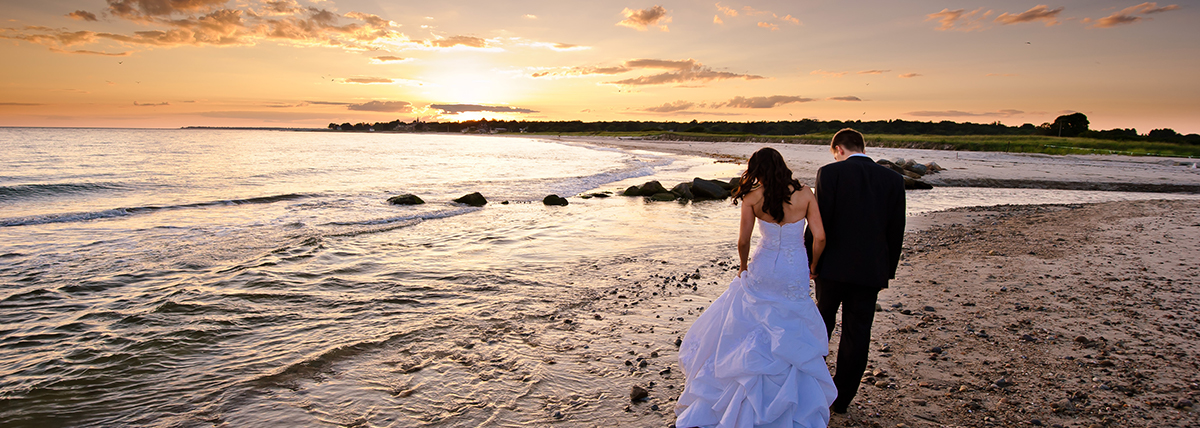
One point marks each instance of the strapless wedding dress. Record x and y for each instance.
(756, 356)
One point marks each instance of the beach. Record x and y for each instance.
(1073, 315)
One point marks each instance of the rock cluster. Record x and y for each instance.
(912, 171)
(405, 199)
(698, 189)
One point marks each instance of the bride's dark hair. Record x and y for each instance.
(767, 169)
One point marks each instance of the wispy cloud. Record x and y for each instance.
(387, 59)
(1037, 13)
(957, 113)
(960, 19)
(151, 104)
(772, 23)
(763, 102)
(845, 98)
(874, 71)
(367, 80)
(1128, 15)
(908, 75)
(464, 108)
(828, 73)
(672, 107)
(383, 106)
(83, 15)
(644, 18)
(678, 72)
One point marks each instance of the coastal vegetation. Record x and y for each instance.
(1067, 134)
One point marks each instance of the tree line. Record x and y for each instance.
(1072, 125)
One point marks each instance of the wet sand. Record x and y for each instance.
(1031, 315)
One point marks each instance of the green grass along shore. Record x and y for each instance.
(978, 143)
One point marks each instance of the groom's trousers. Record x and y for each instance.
(858, 312)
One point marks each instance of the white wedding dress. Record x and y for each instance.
(756, 356)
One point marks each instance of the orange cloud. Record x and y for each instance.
(388, 58)
(762, 102)
(1037, 13)
(960, 19)
(828, 73)
(83, 15)
(874, 71)
(845, 98)
(468, 41)
(464, 108)
(383, 106)
(674, 107)
(750, 11)
(134, 8)
(1126, 16)
(768, 26)
(908, 75)
(681, 71)
(151, 104)
(367, 80)
(641, 19)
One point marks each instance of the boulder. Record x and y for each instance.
(683, 191)
(915, 184)
(910, 174)
(650, 188)
(663, 197)
(554, 200)
(918, 168)
(405, 199)
(474, 199)
(735, 182)
(632, 191)
(934, 167)
(704, 189)
(724, 184)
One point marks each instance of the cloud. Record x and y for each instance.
(960, 19)
(676, 106)
(717, 19)
(768, 26)
(679, 71)
(382, 106)
(530, 16)
(388, 58)
(908, 75)
(641, 19)
(326, 103)
(87, 52)
(728, 11)
(1037, 13)
(828, 73)
(134, 8)
(874, 71)
(1126, 16)
(449, 42)
(150, 104)
(752, 12)
(845, 98)
(762, 102)
(463, 108)
(956, 113)
(367, 80)
(83, 15)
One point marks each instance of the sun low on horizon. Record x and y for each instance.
(308, 63)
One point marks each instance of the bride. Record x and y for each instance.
(755, 357)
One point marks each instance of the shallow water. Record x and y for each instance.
(256, 278)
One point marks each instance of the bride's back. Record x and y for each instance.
(795, 209)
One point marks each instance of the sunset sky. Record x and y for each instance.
(306, 63)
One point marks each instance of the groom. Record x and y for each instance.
(862, 207)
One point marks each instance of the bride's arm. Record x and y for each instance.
(815, 226)
(745, 229)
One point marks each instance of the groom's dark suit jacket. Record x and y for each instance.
(862, 209)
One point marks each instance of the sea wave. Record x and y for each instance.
(45, 190)
(123, 212)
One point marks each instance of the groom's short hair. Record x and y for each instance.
(850, 139)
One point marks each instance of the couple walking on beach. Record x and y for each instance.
(756, 356)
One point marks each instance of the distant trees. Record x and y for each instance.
(1070, 125)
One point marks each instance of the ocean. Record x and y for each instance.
(204, 277)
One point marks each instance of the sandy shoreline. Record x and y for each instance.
(1032, 315)
(969, 169)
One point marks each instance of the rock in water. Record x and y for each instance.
(405, 199)
(683, 191)
(651, 187)
(704, 189)
(918, 168)
(637, 393)
(474, 199)
(734, 183)
(663, 197)
(555, 200)
(632, 191)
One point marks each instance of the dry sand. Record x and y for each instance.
(1034, 315)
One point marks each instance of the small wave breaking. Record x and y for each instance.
(49, 190)
(123, 212)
